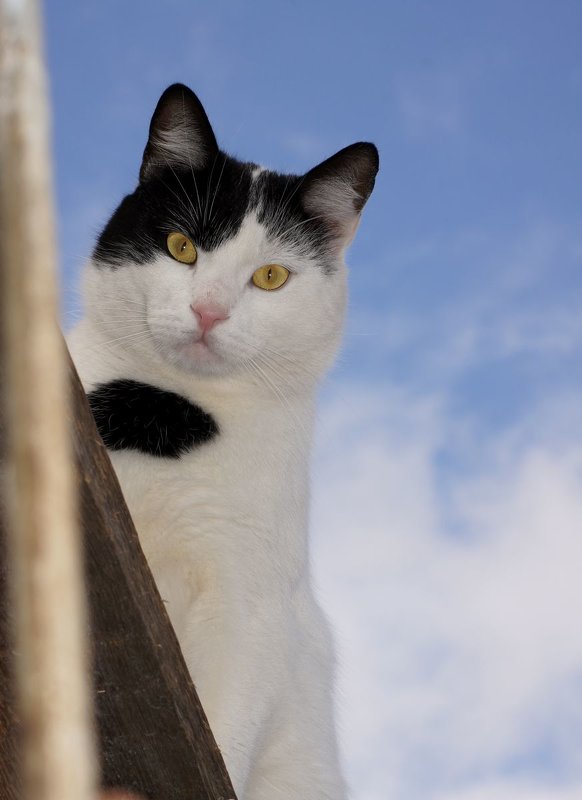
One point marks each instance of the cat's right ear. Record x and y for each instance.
(180, 134)
(336, 190)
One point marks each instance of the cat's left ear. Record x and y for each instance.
(338, 188)
(180, 134)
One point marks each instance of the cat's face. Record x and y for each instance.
(220, 267)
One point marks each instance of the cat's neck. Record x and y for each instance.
(261, 453)
(248, 405)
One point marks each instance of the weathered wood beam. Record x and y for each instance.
(154, 734)
(154, 737)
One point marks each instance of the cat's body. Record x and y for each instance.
(203, 386)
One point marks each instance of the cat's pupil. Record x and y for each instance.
(269, 274)
(183, 246)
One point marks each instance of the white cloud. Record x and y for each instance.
(515, 791)
(456, 599)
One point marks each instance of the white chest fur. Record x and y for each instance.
(234, 510)
(224, 529)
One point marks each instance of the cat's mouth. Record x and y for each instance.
(199, 353)
(191, 351)
(199, 346)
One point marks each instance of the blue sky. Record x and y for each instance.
(448, 473)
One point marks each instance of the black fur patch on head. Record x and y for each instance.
(190, 186)
(136, 416)
(208, 205)
(278, 199)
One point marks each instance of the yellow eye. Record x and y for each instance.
(271, 276)
(181, 248)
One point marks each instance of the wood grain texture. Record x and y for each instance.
(154, 736)
(10, 788)
(46, 587)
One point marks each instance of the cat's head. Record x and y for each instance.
(218, 266)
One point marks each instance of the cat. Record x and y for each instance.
(214, 302)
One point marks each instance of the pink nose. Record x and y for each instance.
(208, 315)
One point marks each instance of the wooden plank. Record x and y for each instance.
(43, 543)
(154, 736)
(10, 788)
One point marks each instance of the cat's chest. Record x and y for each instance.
(206, 491)
(218, 520)
(237, 492)
(214, 484)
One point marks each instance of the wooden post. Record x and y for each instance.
(46, 585)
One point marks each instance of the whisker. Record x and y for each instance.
(204, 220)
(216, 189)
(199, 210)
(181, 185)
(120, 299)
(299, 224)
(128, 336)
(283, 193)
(270, 384)
(291, 196)
(285, 361)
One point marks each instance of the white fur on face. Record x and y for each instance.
(294, 329)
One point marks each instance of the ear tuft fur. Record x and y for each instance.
(180, 134)
(338, 188)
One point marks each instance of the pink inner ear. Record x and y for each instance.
(333, 198)
(337, 189)
(336, 201)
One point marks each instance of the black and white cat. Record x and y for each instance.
(214, 303)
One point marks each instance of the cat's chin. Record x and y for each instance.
(198, 357)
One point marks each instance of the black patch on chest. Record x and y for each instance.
(136, 416)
